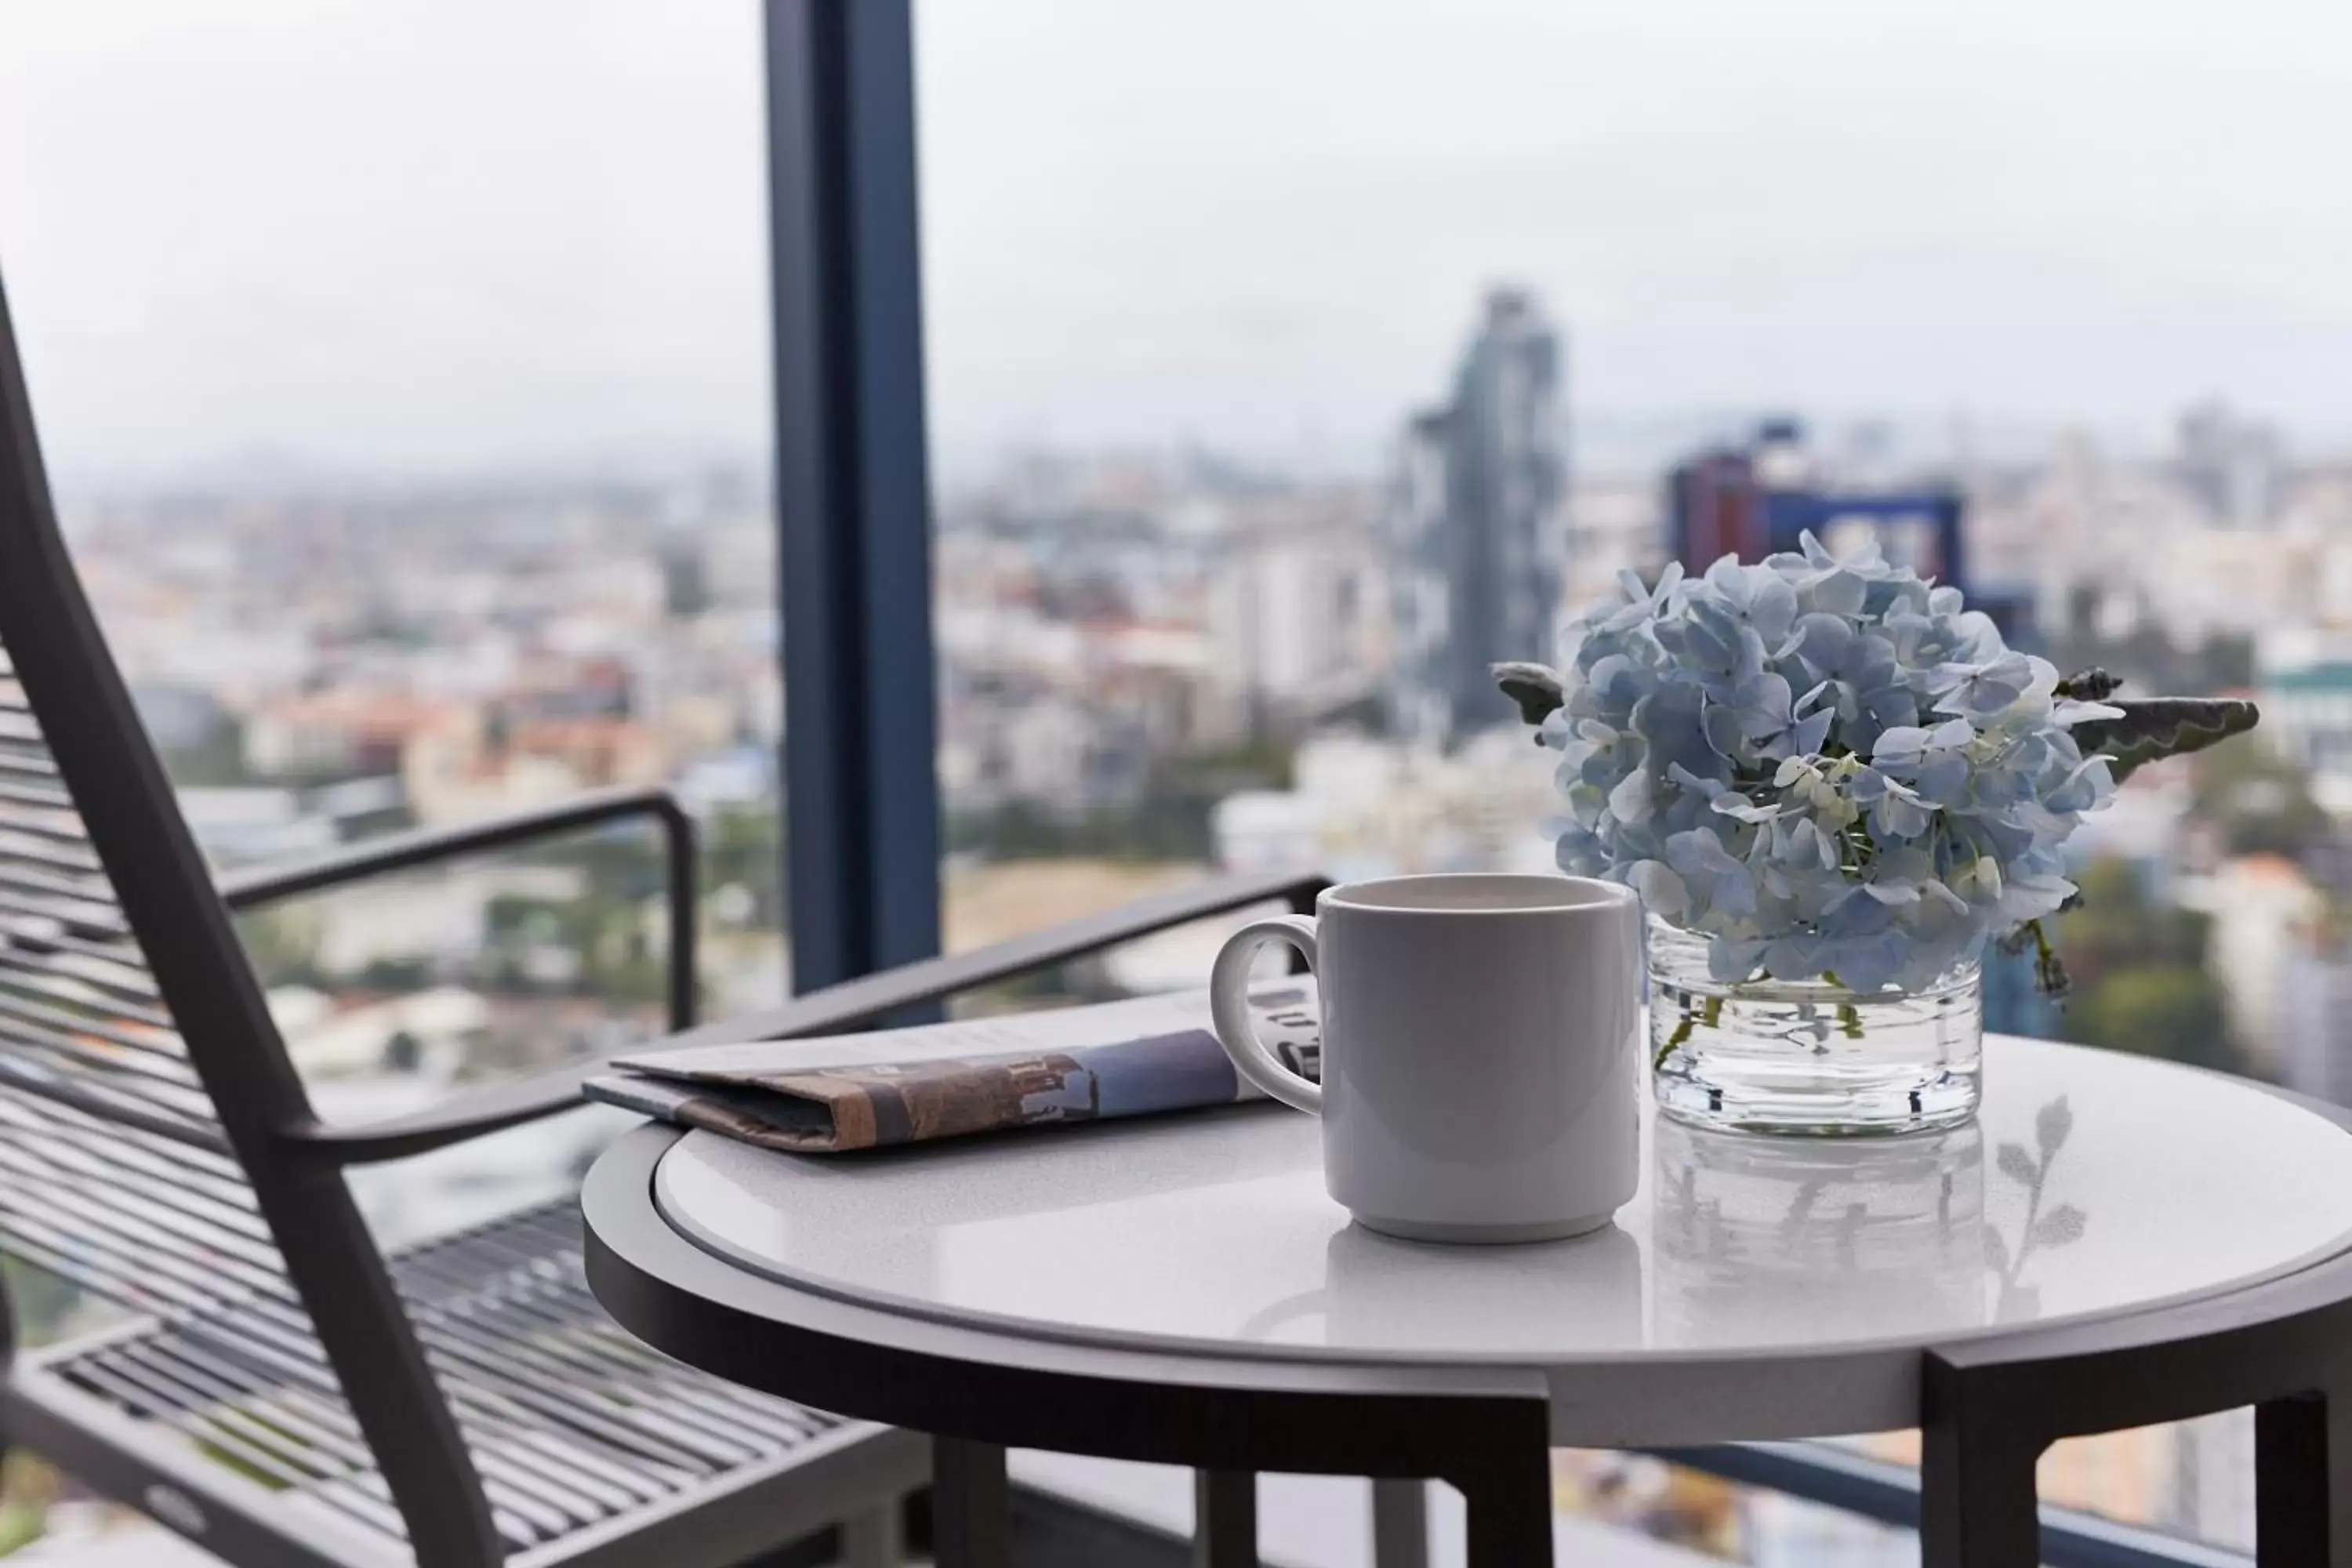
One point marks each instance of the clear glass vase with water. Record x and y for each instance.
(1809, 1057)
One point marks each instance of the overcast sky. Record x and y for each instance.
(442, 234)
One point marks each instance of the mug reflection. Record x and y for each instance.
(1380, 1292)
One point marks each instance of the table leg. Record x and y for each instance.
(872, 1538)
(2303, 1482)
(1977, 1502)
(1225, 1518)
(971, 1523)
(1400, 1524)
(1510, 1509)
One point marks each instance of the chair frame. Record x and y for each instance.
(296, 1164)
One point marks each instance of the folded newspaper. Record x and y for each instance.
(834, 1093)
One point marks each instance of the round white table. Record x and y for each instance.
(1182, 1289)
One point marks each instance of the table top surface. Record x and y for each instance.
(2092, 1185)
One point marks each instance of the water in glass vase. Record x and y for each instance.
(1810, 1056)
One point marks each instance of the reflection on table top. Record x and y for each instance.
(2090, 1184)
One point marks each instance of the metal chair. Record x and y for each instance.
(283, 1391)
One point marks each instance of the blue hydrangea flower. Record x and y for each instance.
(1824, 764)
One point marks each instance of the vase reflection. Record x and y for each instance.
(1761, 1237)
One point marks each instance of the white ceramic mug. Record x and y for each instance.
(1481, 1050)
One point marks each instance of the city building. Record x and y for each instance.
(1294, 625)
(1360, 807)
(1752, 500)
(2264, 909)
(1614, 522)
(2315, 1018)
(2303, 681)
(1475, 526)
(2233, 464)
(1762, 496)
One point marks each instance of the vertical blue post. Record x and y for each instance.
(853, 491)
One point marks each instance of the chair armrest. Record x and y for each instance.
(844, 1006)
(259, 886)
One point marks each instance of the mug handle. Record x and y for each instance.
(1229, 986)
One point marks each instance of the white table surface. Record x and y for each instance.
(2092, 1185)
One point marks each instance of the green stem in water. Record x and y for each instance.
(1711, 1015)
(1849, 1016)
(1680, 1037)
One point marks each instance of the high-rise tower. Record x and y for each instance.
(1475, 522)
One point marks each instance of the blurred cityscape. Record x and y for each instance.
(1155, 662)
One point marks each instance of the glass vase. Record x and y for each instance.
(1809, 1057)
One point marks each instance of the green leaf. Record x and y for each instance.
(2163, 727)
(1534, 687)
(2059, 1227)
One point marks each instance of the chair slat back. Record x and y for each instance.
(115, 1172)
(145, 1093)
